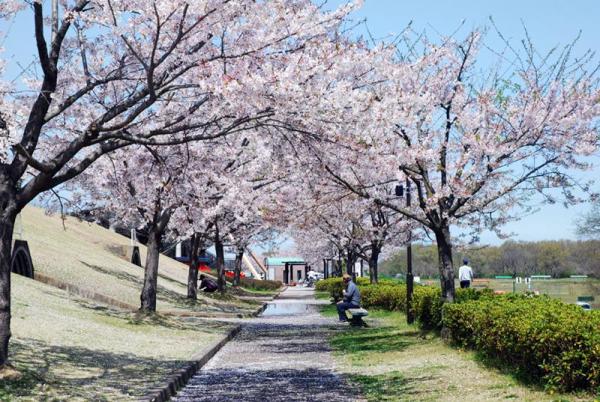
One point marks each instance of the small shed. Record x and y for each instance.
(278, 267)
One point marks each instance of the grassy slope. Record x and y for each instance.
(93, 258)
(392, 361)
(71, 349)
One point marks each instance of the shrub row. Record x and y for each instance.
(549, 340)
(335, 286)
(427, 303)
(256, 284)
(390, 295)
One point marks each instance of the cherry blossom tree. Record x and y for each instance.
(203, 190)
(476, 148)
(357, 228)
(320, 215)
(246, 227)
(147, 201)
(158, 72)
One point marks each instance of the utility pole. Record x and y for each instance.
(409, 272)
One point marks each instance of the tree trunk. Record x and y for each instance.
(221, 283)
(446, 266)
(192, 288)
(373, 263)
(350, 262)
(8, 214)
(148, 296)
(238, 267)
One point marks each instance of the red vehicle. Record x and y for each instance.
(203, 268)
(231, 274)
(228, 273)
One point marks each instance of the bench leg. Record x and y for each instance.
(357, 321)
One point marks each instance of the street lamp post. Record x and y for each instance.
(409, 271)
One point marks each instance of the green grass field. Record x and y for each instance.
(566, 290)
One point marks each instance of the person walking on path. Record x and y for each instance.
(465, 274)
(351, 298)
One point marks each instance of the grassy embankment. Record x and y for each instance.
(71, 348)
(393, 361)
(94, 259)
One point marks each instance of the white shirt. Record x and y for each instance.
(465, 273)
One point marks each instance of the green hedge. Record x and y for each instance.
(335, 286)
(427, 302)
(387, 297)
(256, 284)
(390, 295)
(549, 340)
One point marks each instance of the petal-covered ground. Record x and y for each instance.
(282, 356)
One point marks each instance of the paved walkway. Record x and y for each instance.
(281, 356)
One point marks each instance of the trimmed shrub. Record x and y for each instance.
(256, 284)
(427, 306)
(390, 295)
(391, 282)
(335, 286)
(387, 297)
(463, 295)
(324, 285)
(554, 343)
(427, 303)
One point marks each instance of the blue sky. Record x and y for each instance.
(549, 22)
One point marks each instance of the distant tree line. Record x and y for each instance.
(557, 258)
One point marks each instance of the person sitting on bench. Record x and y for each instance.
(207, 285)
(351, 298)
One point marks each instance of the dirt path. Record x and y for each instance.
(282, 356)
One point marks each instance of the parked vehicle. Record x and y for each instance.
(585, 305)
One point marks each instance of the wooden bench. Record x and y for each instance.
(357, 315)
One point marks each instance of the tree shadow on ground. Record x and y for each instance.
(297, 338)
(69, 373)
(154, 319)
(169, 296)
(273, 385)
(392, 386)
(267, 330)
(296, 345)
(373, 340)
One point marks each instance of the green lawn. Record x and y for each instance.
(393, 361)
(72, 349)
(322, 295)
(566, 289)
